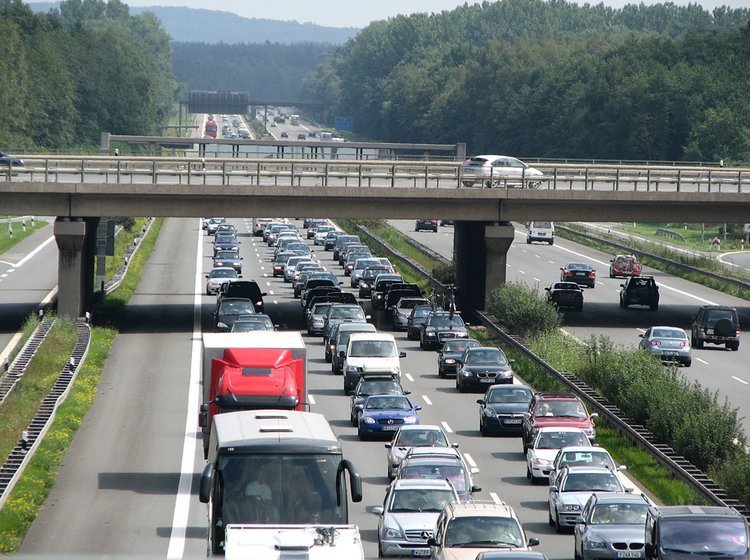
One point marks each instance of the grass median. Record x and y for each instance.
(29, 494)
(15, 232)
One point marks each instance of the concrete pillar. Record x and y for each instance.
(497, 239)
(76, 242)
(481, 257)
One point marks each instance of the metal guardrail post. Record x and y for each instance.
(586, 180)
(325, 175)
(118, 170)
(709, 180)
(393, 176)
(617, 180)
(224, 177)
(154, 173)
(426, 175)
(257, 174)
(554, 179)
(679, 179)
(359, 175)
(83, 170)
(648, 180)
(46, 171)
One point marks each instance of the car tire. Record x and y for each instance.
(687, 363)
(550, 519)
(654, 307)
(733, 346)
(461, 388)
(441, 374)
(362, 436)
(482, 429)
(551, 242)
(528, 241)
(381, 554)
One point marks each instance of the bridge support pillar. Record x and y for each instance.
(76, 242)
(481, 251)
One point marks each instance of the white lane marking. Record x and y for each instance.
(44, 243)
(409, 377)
(537, 256)
(427, 399)
(740, 380)
(703, 361)
(182, 500)
(275, 302)
(522, 272)
(4, 275)
(551, 262)
(640, 330)
(446, 427)
(495, 498)
(470, 460)
(536, 279)
(8, 263)
(270, 293)
(311, 399)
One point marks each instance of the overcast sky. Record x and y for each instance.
(358, 13)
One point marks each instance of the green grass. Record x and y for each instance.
(38, 478)
(123, 241)
(691, 233)
(7, 241)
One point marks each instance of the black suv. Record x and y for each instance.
(716, 324)
(439, 327)
(243, 289)
(640, 290)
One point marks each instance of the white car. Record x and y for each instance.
(544, 447)
(499, 171)
(424, 435)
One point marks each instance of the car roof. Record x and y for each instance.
(483, 508)
(421, 483)
(434, 452)
(556, 396)
(619, 497)
(411, 427)
(547, 429)
(586, 469)
(371, 336)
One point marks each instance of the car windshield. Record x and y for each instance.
(321, 308)
(388, 403)
(619, 514)
(703, 536)
(373, 349)
(717, 314)
(577, 266)
(445, 321)
(225, 239)
(421, 312)
(227, 255)
(454, 473)
(493, 357)
(586, 459)
(591, 482)
(458, 346)
(346, 313)
(236, 308)
(505, 395)
(568, 409)
(249, 326)
(669, 333)
(420, 438)
(405, 303)
(223, 273)
(473, 532)
(558, 440)
(414, 500)
(367, 388)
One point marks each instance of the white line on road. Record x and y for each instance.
(536, 279)
(740, 380)
(522, 272)
(427, 399)
(551, 262)
(446, 427)
(184, 495)
(704, 362)
(24, 260)
(640, 329)
(311, 399)
(495, 498)
(409, 377)
(470, 460)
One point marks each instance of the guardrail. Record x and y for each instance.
(669, 233)
(678, 465)
(373, 173)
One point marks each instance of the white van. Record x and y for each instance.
(541, 231)
(371, 353)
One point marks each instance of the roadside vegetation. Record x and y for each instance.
(12, 234)
(32, 489)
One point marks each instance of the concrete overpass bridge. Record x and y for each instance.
(79, 191)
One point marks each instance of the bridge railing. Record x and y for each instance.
(370, 173)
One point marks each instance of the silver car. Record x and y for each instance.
(611, 526)
(572, 488)
(408, 515)
(218, 276)
(671, 344)
(499, 171)
(423, 435)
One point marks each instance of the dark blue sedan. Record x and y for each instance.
(383, 415)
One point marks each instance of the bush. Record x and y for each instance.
(445, 273)
(523, 309)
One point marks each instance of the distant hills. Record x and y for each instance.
(214, 26)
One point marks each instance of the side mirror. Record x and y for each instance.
(239, 276)
(533, 542)
(552, 488)
(454, 445)
(640, 336)
(474, 470)
(204, 492)
(511, 361)
(622, 285)
(378, 510)
(359, 407)
(388, 445)
(629, 489)
(206, 275)
(402, 354)
(417, 407)
(368, 317)
(475, 489)
(480, 401)
(342, 354)
(622, 468)
(432, 542)
(594, 415)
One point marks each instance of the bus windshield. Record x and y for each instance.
(280, 489)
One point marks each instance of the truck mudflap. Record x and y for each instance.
(313, 542)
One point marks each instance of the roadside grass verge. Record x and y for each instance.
(704, 263)
(690, 232)
(123, 241)
(7, 241)
(29, 494)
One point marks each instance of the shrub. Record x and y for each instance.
(523, 309)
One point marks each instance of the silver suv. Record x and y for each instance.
(408, 515)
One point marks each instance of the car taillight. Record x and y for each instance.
(434, 222)
(656, 342)
(684, 344)
(592, 274)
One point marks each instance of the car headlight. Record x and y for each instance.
(593, 543)
(221, 325)
(363, 284)
(466, 373)
(570, 507)
(392, 533)
(430, 334)
(489, 412)
(450, 361)
(410, 419)
(369, 420)
(541, 462)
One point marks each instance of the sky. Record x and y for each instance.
(358, 13)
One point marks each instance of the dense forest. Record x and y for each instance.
(552, 79)
(267, 70)
(85, 68)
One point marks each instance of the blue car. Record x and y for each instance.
(383, 415)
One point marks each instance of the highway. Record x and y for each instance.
(714, 367)
(139, 444)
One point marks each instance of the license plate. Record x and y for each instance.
(629, 554)
(485, 380)
(709, 331)
(390, 428)
(670, 353)
(420, 552)
(513, 421)
(580, 274)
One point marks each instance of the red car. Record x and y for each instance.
(563, 410)
(580, 273)
(624, 265)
